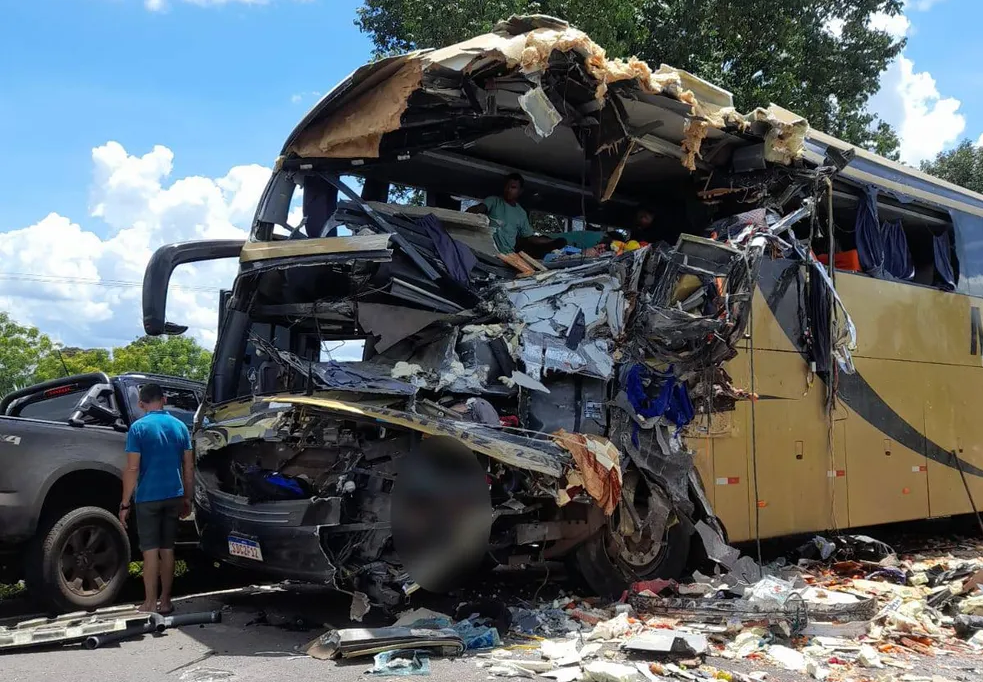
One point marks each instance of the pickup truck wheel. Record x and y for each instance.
(84, 560)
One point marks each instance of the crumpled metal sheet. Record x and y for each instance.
(352, 123)
(519, 451)
(542, 353)
(552, 304)
(393, 323)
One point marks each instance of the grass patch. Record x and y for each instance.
(180, 568)
(11, 591)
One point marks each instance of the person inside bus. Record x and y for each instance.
(642, 229)
(511, 222)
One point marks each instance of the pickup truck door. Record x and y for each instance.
(34, 453)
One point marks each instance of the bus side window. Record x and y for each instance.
(968, 235)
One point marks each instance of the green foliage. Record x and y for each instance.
(961, 166)
(407, 196)
(172, 355)
(28, 356)
(761, 50)
(21, 351)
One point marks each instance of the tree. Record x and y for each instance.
(961, 166)
(28, 356)
(60, 362)
(819, 58)
(21, 351)
(171, 355)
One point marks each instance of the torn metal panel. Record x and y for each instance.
(355, 123)
(356, 642)
(575, 404)
(356, 128)
(391, 324)
(359, 377)
(669, 642)
(510, 449)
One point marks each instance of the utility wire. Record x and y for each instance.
(111, 283)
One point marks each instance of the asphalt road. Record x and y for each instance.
(239, 649)
(246, 648)
(243, 648)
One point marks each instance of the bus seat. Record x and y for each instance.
(845, 260)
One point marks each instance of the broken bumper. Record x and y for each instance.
(286, 534)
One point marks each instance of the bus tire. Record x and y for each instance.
(609, 577)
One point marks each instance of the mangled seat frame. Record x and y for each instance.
(518, 418)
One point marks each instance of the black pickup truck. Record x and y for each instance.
(61, 460)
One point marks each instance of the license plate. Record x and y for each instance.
(247, 549)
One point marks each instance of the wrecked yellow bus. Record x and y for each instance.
(758, 369)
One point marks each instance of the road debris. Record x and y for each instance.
(95, 629)
(807, 618)
(401, 663)
(206, 675)
(357, 642)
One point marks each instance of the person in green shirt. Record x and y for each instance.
(510, 220)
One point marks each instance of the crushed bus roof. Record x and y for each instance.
(535, 79)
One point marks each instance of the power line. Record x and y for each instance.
(109, 283)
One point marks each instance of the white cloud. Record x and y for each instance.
(897, 25)
(70, 282)
(926, 121)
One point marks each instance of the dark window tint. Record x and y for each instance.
(58, 408)
(179, 402)
(969, 252)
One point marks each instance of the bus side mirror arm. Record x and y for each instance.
(158, 276)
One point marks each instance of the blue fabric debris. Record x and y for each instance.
(870, 244)
(672, 401)
(457, 257)
(897, 255)
(263, 485)
(883, 249)
(474, 636)
(282, 481)
(560, 253)
(943, 261)
(477, 636)
(890, 574)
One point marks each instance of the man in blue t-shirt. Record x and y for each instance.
(160, 469)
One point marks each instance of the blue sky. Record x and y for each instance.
(213, 84)
(945, 41)
(125, 124)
